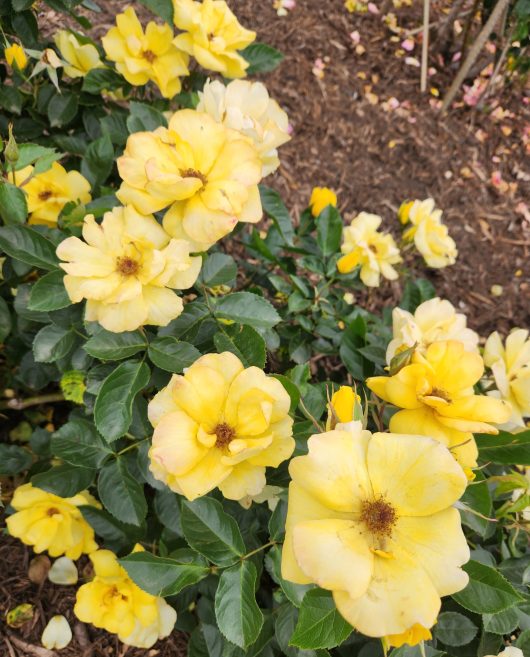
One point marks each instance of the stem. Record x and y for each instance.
(263, 547)
(132, 446)
(425, 45)
(21, 404)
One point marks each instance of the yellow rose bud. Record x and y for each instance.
(80, 57)
(342, 407)
(11, 152)
(219, 426)
(16, 57)
(321, 197)
(404, 211)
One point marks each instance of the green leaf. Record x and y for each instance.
(275, 208)
(294, 592)
(172, 355)
(64, 480)
(247, 308)
(167, 509)
(292, 390)
(10, 99)
(487, 592)
(49, 293)
(121, 494)
(243, 341)
(99, 79)
(329, 231)
(163, 576)
(478, 498)
(52, 343)
(205, 641)
(24, 243)
(523, 642)
(143, 117)
(455, 629)
(5, 320)
(261, 57)
(36, 154)
(116, 534)
(211, 531)
(277, 521)
(503, 622)
(218, 269)
(162, 8)
(62, 108)
(415, 293)
(114, 403)
(13, 205)
(505, 448)
(106, 345)
(319, 624)
(77, 442)
(98, 161)
(238, 616)
(13, 459)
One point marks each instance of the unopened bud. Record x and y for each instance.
(11, 150)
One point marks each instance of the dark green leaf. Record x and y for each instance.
(163, 576)
(275, 208)
(62, 108)
(99, 79)
(116, 534)
(10, 99)
(488, 592)
(49, 293)
(52, 343)
(172, 355)
(503, 622)
(261, 57)
(205, 641)
(98, 161)
(505, 448)
(478, 498)
(292, 390)
(455, 629)
(247, 308)
(329, 231)
(13, 206)
(106, 345)
(114, 403)
(243, 341)
(64, 480)
(121, 493)
(162, 8)
(31, 153)
(319, 623)
(218, 269)
(143, 117)
(167, 509)
(523, 642)
(211, 531)
(77, 442)
(294, 592)
(5, 320)
(238, 616)
(24, 243)
(13, 459)
(415, 293)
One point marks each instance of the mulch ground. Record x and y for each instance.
(346, 136)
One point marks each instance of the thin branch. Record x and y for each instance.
(20, 404)
(425, 45)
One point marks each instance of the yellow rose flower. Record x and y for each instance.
(411, 637)
(141, 57)
(15, 56)
(112, 601)
(510, 365)
(47, 193)
(344, 405)
(370, 518)
(80, 57)
(321, 197)
(213, 35)
(429, 234)
(219, 426)
(436, 394)
(127, 268)
(434, 320)
(247, 107)
(374, 252)
(207, 173)
(51, 523)
(404, 211)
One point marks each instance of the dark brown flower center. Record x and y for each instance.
(372, 248)
(378, 516)
(438, 392)
(149, 55)
(127, 266)
(225, 434)
(45, 194)
(193, 173)
(52, 511)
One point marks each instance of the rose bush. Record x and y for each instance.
(195, 399)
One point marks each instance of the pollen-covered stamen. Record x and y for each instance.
(52, 511)
(149, 55)
(373, 248)
(442, 394)
(378, 516)
(193, 173)
(127, 266)
(45, 195)
(225, 434)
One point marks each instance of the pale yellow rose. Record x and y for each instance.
(141, 57)
(207, 173)
(428, 233)
(510, 365)
(434, 320)
(219, 426)
(372, 251)
(370, 518)
(247, 107)
(47, 193)
(80, 57)
(213, 35)
(127, 269)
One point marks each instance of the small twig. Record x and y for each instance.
(447, 24)
(467, 27)
(21, 404)
(425, 45)
(496, 70)
(30, 649)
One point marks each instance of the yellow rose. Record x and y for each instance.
(344, 405)
(219, 425)
(411, 637)
(141, 57)
(15, 56)
(429, 234)
(213, 35)
(404, 211)
(52, 523)
(321, 197)
(434, 320)
(436, 394)
(127, 268)
(47, 193)
(370, 518)
(247, 107)
(510, 365)
(80, 57)
(374, 252)
(207, 173)
(112, 601)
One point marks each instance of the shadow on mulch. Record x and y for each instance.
(48, 600)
